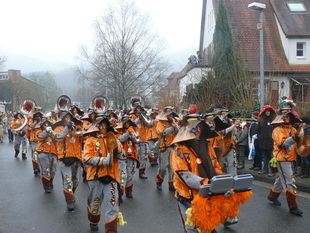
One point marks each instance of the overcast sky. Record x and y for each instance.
(54, 30)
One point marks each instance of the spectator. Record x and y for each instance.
(257, 165)
(242, 146)
(10, 134)
(264, 136)
(305, 161)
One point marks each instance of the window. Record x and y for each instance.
(4, 77)
(300, 49)
(297, 7)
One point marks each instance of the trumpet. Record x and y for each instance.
(77, 130)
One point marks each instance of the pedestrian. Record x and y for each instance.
(257, 164)
(1, 133)
(284, 150)
(264, 136)
(101, 154)
(10, 134)
(68, 135)
(167, 128)
(305, 161)
(242, 144)
(46, 149)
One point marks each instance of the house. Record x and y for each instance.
(14, 89)
(286, 32)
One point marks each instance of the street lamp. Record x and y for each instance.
(261, 8)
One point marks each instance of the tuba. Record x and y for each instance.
(27, 106)
(135, 100)
(63, 103)
(100, 104)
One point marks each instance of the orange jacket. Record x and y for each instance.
(45, 144)
(141, 129)
(129, 146)
(152, 131)
(279, 135)
(183, 159)
(91, 150)
(165, 140)
(225, 142)
(33, 131)
(70, 146)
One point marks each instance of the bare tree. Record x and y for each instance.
(126, 55)
(2, 60)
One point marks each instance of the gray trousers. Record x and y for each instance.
(285, 178)
(153, 148)
(164, 163)
(142, 152)
(122, 172)
(70, 179)
(20, 140)
(230, 160)
(48, 163)
(131, 165)
(105, 195)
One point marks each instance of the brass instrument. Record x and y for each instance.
(136, 137)
(63, 103)
(135, 100)
(26, 107)
(100, 104)
(76, 129)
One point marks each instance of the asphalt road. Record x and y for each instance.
(25, 208)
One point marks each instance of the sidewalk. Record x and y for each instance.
(302, 184)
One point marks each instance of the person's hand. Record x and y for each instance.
(131, 130)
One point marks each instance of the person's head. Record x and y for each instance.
(66, 119)
(217, 107)
(170, 117)
(103, 127)
(92, 116)
(74, 111)
(267, 112)
(138, 109)
(154, 114)
(126, 124)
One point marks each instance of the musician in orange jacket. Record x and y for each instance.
(284, 138)
(167, 128)
(153, 143)
(139, 118)
(69, 153)
(101, 153)
(129, 139)
(20, 135)
(46, 149)
(193, 165)
(34, 122)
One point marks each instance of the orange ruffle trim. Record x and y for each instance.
(208, 213)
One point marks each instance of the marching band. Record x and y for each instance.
(110, 146)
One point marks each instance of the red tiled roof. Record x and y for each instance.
(293, 24)
(243, 23)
